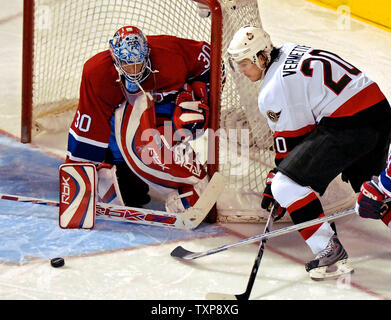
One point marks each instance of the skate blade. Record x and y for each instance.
(331, 272)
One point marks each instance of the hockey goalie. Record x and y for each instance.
(141, 102)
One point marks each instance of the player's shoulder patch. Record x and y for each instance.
(273, 116)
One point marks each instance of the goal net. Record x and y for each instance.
(60, 35)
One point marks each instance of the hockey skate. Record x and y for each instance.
(330, 263)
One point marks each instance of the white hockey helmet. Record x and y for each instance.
(246, 43)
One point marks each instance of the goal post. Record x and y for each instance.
(60, 35)
(27, 67)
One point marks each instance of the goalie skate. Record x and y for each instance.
(330, 263)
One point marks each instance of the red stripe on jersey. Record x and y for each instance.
(281, 155)
(295, 133)
(364, 99)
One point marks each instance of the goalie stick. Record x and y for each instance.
(119, 213)
(183, 254)
(188, 220)
(246, 295)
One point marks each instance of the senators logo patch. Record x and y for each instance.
(250, 36)
(273, 116)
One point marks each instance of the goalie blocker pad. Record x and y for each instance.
(77, 196)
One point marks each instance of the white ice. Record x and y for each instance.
(148, 272)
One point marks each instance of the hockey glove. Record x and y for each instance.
(370, 203)
(279, 211)
(200, 91)
(190, 117)
(268, 200)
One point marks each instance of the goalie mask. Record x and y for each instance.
(247, 43)
(130, 52)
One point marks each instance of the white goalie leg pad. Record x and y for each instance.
(108, 188)
(126, 126)
(174, 200)
(77, 196)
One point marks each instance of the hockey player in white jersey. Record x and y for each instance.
(327, 118)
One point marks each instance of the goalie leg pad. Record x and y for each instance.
(149, 154)
(186, 196)
(77, 196)
(108, 188)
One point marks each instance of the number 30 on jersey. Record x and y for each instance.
(83, 122)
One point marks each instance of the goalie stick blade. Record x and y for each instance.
(194, 216)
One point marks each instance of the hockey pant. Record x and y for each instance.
(169, 167)
(302, 204)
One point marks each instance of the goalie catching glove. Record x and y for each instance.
(191, 114)
(268, 201)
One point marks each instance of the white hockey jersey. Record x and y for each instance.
(303, 85)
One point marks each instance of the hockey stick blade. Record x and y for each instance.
(180, 252)
(189, 255)
(194, 216)
(184, 254)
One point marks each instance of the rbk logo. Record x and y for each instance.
(65, 190)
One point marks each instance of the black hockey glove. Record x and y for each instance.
(268, 200)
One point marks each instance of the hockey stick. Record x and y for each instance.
(119, 213)
(188, 220)
(181, 253)
(254, 270)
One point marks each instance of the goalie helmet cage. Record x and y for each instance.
(60, 35)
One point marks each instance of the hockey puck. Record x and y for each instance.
(57, 262)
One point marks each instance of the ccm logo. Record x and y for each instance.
(368, 194)
(65, 191)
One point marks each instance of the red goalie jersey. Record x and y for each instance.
(174, 62)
